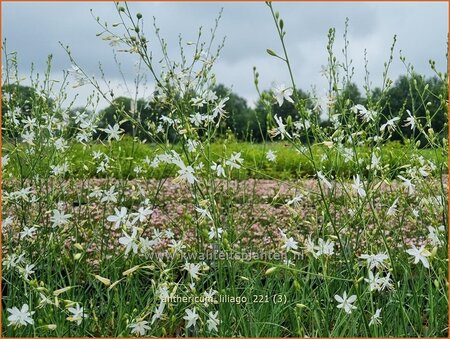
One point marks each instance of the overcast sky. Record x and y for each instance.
(34, 30)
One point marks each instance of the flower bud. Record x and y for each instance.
(131, 270)
(270, 270)
(433, 252)
(436, 283)
(271, 52)
(103, 280)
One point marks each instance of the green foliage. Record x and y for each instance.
(289, 163)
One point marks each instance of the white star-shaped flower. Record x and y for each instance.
(281, 93)
(420, 254)
(346, 302)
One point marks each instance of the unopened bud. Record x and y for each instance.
(271, 52)
(270, 270)
(436, 283)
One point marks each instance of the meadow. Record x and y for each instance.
(316, 231)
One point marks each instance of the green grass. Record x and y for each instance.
(289, 163)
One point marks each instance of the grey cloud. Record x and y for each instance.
(34, 29)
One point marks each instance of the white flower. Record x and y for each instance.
(282, 93)
(61, 144)
(97, 155)
(215, 232)
(374, 260)
(420, 254)
(408, 184)
(374, 162)
(289, 243)
(141, 214)
(410, 120)
(27, 232)
(365, 114)
(280, 129)
(271, 155)
(346, 303)
(198, 102)
(295, 201)
(191, 145)
(129, 242)
(219, 109)
(139, 327)
(393, 209)
(209, 296)
(310, 247)
(60, 169)
(385, 283)
(159, 311)
(213, 321)
(177, 246)
(20, 317)
(28, 270)
(389, 124)
(13, 260)
(424, 171)
(113, 132)
(193, 269)
(324, 247)
(196, 119)
(102, 167)
(219, 169)
(191, 317)
(44, 301)
(5, 160)
(6, 222)
(302, 124)
(77, 314)
(235, 161)
(204, 213)
(59, 218)
(323, 180)
(138, 169)
(110, 195)
(358, 186)
(23, 193)
(119, 217)
(79, 76)
(372, 281)
(186, 173)
(433, 236)
(376, 318)
(28, 137)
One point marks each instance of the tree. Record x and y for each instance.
(424, 98)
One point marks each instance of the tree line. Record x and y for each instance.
(426, 97)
